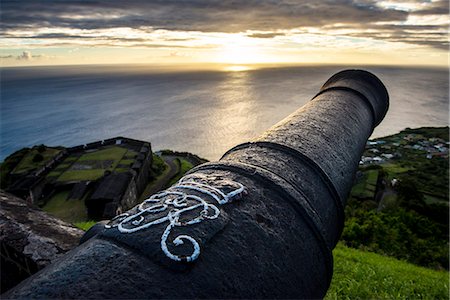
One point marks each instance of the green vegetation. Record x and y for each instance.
(363, 190)
(430, 174)
(126, 162)
(432, 200)
(395, 169)
(37, 158)
(159, 171)
(407, 219)
(363, 275)
(62, 166)
(372, 176)
(111, 153)
(85, 226)
(70, 159)
(78, 175)
(398, 233)
(92, 165)
(54, 174)
(184, 167)
(8, 166)
(429, 132)
(158, 165)
(72, 210)
(194, 159)
(34, 159)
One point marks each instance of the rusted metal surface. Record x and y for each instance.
(259, 223)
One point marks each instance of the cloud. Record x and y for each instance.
(263, 18)
(24, 56)
(431, 35)
(435, 8)
(266, 35)
(192, 15)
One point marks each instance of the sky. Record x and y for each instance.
(179, 32)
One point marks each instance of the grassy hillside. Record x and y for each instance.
(399, 203)
(36, 158)
(364, 275)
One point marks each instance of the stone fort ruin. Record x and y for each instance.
(108, 175)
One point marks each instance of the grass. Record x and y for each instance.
(126, 161)
(372, 176)
(78, 175)
(27, 164)
(54, 174)
(115, 153)
(390, 200)
(366, 187)
(184, 167)
(365, 275)
(360, 190)
(149, 187)
(432, 199)
(395, 169)
(85, 225)
(112, 153)
(62, 166)
(71, 211)
(70, 159)
(158, 165)
(8, 166)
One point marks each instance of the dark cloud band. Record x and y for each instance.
(210, 16)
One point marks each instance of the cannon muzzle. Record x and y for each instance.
(259, 223)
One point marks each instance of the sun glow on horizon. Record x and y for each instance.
(237, 68)
(238, 49)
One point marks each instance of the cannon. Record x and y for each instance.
(259, 223)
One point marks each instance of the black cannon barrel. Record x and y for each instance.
(259, 223)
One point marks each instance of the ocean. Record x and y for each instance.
(203, 112)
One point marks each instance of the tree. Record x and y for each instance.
(38, 157)
(409, 195)
(41, 148)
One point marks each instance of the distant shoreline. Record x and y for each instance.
(219, 66)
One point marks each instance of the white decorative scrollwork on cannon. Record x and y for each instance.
(180, 208)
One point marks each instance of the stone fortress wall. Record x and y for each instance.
(139, 171)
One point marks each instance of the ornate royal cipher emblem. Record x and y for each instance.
(194, 199)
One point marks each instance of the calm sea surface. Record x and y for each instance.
(201, 112)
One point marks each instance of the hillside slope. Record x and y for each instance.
(365, 275)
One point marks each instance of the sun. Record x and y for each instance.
(237, 68)
(237, 50)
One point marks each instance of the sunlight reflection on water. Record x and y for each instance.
(202, 112)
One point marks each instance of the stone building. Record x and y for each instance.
(104, 197)
(109, 196)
